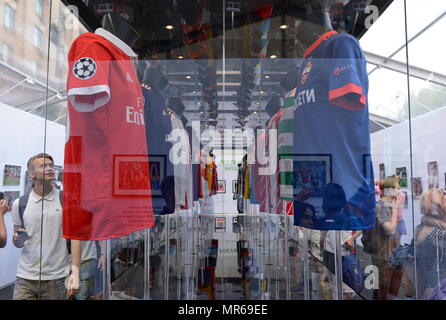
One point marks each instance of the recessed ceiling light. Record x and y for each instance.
(283, 26)
(195, 91)
(180, 57)
(261, 92)
(188, 77)
(199, 103)
(258, 102)
(169, 27)
(273, 56)
(267, 77)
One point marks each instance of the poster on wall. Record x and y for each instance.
(130, 174)
(157, 170)
(29, 184)
(10, 196)
(221, 186)
(220, 224)
(382, 171)
(402, 173)
(432, 174)
(311, 171)
(417, 186)
(11, 175)
(58, 173)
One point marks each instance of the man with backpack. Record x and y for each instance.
(37, 218)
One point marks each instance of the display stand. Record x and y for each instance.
(338, 266)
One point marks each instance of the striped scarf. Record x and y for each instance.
(285, 147)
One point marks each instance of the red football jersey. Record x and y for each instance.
(107, 190)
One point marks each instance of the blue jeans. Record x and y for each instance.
(86, 277)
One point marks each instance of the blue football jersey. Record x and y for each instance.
(332, 172)
(158, 128)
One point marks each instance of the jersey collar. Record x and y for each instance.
(116, 41)
(321, 39)
(36, 198)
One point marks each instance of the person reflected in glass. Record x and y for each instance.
(41, 273)
(401, 225)
(430, 242)
(307, 220)
(387, 209)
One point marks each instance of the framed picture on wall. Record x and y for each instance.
(311, 171)
(11, 175)
(58, 173)
(29, 184)
(10, 196)
(220, 224)
(417, 186)
(402, 173)
(130, 174)
(157, 170)
(234, 186)
(432, 175)
(382, 171)
(221, 186)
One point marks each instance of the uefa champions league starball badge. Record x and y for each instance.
(84, 68)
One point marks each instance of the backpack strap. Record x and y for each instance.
(23, 201)
(61, 205)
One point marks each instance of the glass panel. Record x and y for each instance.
(426, 273)
(235, 123)
(34, 262)
(389, 103)
(389, 23)
(425, 59)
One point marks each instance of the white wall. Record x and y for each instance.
(392, 147)
(21, 137)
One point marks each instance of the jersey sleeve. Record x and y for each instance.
(347, 78)
(88, 75)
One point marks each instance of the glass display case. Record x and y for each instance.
(222, 150)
